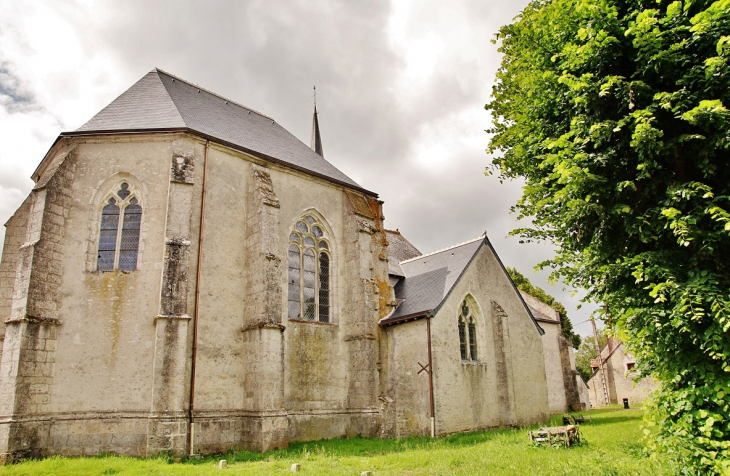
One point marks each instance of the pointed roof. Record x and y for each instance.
(429, 280)
(161, 102)
(316, 137)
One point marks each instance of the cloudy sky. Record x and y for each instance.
(401, 88)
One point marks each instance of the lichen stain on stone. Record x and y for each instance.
(112, 290)
(314, 353)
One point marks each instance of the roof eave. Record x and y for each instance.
(172, 130)
(415, 316)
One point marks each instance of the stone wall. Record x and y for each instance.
(507, 385)
(405, 400)
(15, 233)
(554, 367)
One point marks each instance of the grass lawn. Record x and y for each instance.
(611, 447)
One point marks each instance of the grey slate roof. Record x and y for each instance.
(161, 101)
(394, 268)
(429, 278)
(399, 248)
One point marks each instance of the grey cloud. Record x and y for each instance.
(268, 55)
(14, 97)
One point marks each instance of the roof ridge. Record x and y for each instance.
(442, 250)
(214, 94)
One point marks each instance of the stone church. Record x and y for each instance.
(188, 277)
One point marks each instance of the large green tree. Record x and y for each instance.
(615, 113)
(525, 285)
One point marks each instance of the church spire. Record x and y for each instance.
(316, 138)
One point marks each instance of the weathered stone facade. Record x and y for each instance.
(566, 389)
(501, 387)
(195, 349)
(124, 339)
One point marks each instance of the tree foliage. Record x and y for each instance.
(587, 352)
(615, 113)
(525, 285)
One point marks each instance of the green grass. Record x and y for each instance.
(611, 447)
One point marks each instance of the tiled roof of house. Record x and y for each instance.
(161, 101)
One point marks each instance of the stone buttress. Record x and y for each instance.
(28, 356)
(367, 295)
(267, 425)
(167, 427)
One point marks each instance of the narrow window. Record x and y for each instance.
(309, 279)
(108, 236)
(324, 287)
(467, 333)
(119, 250)
(294, 305)
(309, 272)
(462, 338)
(130, 236)
(472, 339)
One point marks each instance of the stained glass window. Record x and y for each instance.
(472, 339)
(108, 236)
(309, 273)
(467, 333)
(324, 287)
(294, 299)
(462, 338)
(119, 250)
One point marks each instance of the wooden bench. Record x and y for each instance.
(572, 420)
(552, 435)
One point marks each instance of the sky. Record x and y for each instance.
(401, 89)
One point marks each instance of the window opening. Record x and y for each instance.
(462, 338)
(472, 339)
(308, 273)
(467, 333)
(308, 280)
(108, 236)
(294, 305)
(324, 287)
(119, 250)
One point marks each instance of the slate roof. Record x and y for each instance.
(394, 268)
(160, 101)
(399, 248)
(429, 278)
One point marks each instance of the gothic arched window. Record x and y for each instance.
(119, 250)
(308, 280)
(467, 333)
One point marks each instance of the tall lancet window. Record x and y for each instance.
(467, 333)
(309, 272)
(119, 250)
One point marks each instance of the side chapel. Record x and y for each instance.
(188, 277)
